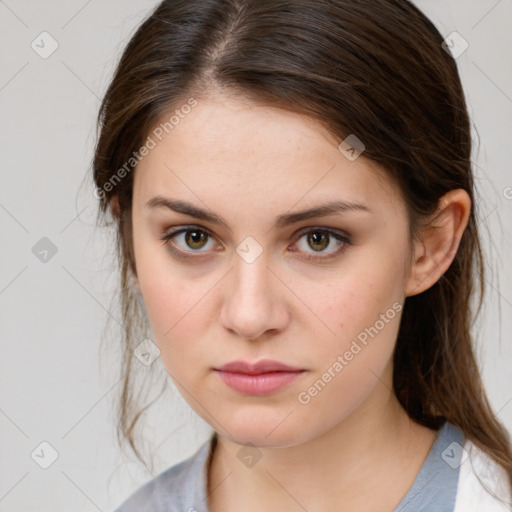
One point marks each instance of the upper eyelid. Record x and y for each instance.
(185, 227)
(296, 236)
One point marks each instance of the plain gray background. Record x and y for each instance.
(52, 314)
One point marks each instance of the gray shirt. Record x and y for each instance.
(183, 487)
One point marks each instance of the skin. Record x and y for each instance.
(352, 443)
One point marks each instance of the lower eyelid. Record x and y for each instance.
(343, 240)
(168, 240)
(191, 254)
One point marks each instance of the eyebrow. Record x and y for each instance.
(281, 221)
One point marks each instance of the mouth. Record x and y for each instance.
(262, 378)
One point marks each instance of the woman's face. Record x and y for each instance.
(250, 288)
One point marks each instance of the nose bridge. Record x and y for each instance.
(251, 305)
(251, 279)
(250, 284)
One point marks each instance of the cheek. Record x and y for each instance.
(350, 364)
(355, 297)
(175, 308)
(172, 300)
(363, 308)
(178, 317)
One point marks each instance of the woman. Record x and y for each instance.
(292, 191)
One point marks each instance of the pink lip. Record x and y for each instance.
(261, 378)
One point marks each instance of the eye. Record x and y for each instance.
(192, 239)
(321, 238)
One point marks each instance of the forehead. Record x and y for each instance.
(228, 145)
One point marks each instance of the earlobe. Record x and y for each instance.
(115, 207)
(439, 242)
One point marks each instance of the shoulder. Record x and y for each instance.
(483, 484)
(160, 493)
(173, 490)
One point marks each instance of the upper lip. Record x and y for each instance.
(263, 366)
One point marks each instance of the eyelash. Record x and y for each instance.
(184, 256)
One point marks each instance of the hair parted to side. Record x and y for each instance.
(374, 68)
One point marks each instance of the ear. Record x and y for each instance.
(115, 208)
(435, 251)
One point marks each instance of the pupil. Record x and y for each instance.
(196, 237)
(315, 238)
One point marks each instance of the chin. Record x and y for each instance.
(264, 434)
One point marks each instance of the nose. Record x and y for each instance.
(254, 304)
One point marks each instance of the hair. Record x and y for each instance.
(373, 68)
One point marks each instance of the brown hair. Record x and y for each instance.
(374, 68)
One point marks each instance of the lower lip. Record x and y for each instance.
(262, 384)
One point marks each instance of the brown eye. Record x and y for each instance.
(318, 239)
(188, 243)
(185, 242)
(195, 239)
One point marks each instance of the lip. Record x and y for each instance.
(261, 378)
(262, 366)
